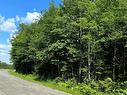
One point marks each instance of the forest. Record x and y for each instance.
(84, 41)
(4, 65)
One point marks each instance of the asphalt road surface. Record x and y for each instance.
(10, 85)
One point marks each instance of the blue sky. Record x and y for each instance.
(12, 12)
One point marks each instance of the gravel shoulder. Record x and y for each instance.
(10, 85)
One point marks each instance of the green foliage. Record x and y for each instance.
(79, 40)
(88, 87)
(106, 85)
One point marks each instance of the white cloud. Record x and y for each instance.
(1, 19)
(8, 41)
(5, 47)
(4, 52)
(30, 17)
(17, 18)
(10, 25)
(7, 25)
(5, 57)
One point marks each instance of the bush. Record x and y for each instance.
(71, 84)
(86, 89)
(106, 86)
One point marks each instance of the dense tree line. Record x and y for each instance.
(78, 39)
(4, 65)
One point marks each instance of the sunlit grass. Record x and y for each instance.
(47, 83)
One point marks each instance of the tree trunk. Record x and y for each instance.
(114, 63)
(89, 60)
(124, 73)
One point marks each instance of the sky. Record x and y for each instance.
(12, 13)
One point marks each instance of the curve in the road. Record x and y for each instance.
(10, 85)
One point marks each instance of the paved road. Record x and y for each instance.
(10, 85)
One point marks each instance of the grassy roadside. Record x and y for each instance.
(47, 83)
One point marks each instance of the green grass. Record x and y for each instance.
(47, 83)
